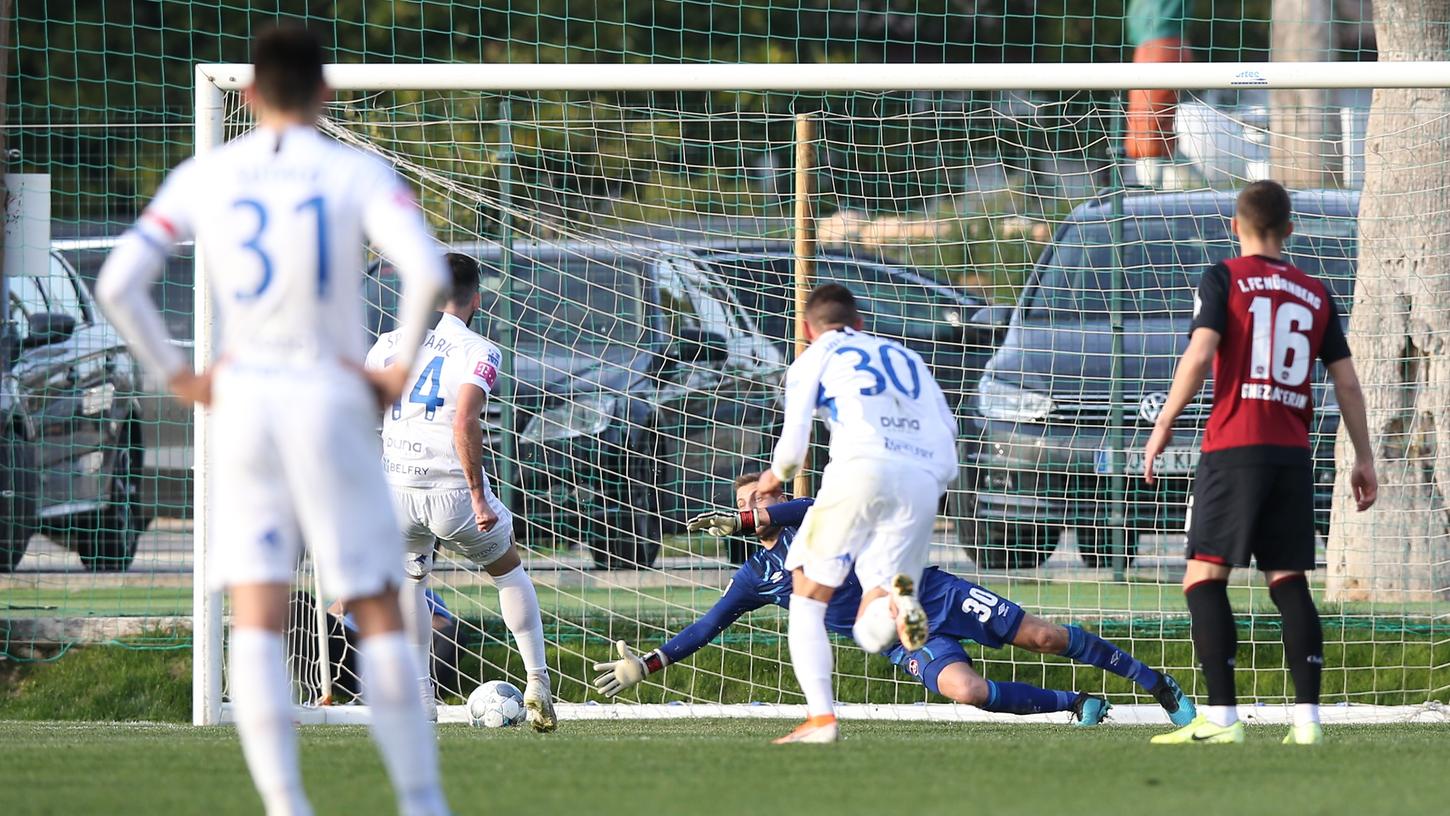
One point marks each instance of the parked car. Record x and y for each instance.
(166, 424)
(1042, 411)
(638, 384)
(71, 441)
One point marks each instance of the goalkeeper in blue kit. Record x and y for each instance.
(957, 608)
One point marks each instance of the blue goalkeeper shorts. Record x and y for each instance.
(958, 610)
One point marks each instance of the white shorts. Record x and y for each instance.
(447, 515)
(295, 458)
(878, 515)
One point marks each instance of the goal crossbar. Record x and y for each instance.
(871, 78)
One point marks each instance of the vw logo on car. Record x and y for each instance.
(1151, 406)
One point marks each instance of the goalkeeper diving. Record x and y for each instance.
(958, 609)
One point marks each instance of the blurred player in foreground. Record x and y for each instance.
(1260, 322)
(281, 213)
(433, 457)
(958, 610)
(893, 453)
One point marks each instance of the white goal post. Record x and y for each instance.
(1094, 597)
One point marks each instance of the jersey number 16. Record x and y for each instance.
(1283, 334)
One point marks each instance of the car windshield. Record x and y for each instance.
(1163, 258)
(893, 306)
(568, 302)
(552, 303)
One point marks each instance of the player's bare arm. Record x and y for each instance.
(1362, 478)
(1193, 369)
(387, 384)
(468, 444)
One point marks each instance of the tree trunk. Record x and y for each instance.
(1304, 149)
(1400, 550)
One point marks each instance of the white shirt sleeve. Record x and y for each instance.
(802, 384)
(123, 288)
(483, 364)
(376, 355)
(394, 223)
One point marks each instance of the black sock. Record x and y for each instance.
(1215, 638)
(1303, 636)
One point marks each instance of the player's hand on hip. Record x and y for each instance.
(622, 674)
(1157, 443)
(483, 515)
(191, 388)
(387, 383)
(718, 523)
(1365, 483)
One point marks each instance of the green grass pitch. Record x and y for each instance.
(728, 767)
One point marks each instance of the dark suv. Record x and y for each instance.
(71, 453)
(637, 385)
(1043, 412)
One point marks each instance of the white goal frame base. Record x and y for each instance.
(1139, 714)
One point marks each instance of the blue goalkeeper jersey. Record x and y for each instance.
(763, 580)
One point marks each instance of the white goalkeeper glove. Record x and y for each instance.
(627, 672)
(721, 523)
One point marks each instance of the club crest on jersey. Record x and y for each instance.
(914, 666)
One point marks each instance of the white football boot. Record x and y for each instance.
(814, 730)
(911, 621)
(539, 703)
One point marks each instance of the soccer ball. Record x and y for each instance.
(496, 704)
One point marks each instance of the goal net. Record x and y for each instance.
(643, 232)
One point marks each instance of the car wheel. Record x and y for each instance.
(998, 545)
(111, 545)
(17, 499)
(1095, 545)
(633, 541)
(1013, 546)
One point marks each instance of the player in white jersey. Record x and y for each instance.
(281, 214)
(893, 453)
(433, 457)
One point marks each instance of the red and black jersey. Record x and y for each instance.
(1273, 320)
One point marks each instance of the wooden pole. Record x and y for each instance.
(4, 193)
(805, 251)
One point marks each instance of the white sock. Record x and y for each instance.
(520, 606)
(418, 623)
(1306, 713)
(403, 736)
(1222, 716)
(876, 628)
(810, 653)
(262, 704)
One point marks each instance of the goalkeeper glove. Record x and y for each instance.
(721, 523)
(626, 672)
